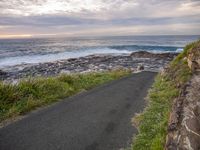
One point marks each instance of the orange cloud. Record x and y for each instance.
(9, 36)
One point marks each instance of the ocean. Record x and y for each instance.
(23, 51)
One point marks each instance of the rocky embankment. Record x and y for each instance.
(184, 123)
(136, 61)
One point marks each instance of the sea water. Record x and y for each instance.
(38, 50)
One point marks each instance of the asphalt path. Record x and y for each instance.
(99, 119)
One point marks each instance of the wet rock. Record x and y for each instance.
(145, 54)
(92, 63)
(3, 73)
(72, 59)
(140, 67)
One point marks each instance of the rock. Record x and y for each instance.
(65, 72)
(193, 58)
(132, 70)
(140, 67)
(184, 122)
(72, 59)
(193, 65)
(87, 64)
(145, 54)
(117, 67)
(164, 70)
(3, 73)
(141, 54)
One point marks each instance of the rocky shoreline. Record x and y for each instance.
(141, 60)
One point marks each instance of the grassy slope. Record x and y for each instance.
(152, 123)
(29, 94)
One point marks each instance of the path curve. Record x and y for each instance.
(99, 119)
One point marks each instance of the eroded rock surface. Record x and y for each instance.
(184, 126)
(194, 58)
(145, 54)
(92, 63)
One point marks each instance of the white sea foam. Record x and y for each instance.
(30, 51)
(31, 59)
(179, 50)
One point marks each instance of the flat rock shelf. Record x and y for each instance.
(92, 63)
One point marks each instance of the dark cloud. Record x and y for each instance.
(64, 21)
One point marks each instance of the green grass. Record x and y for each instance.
(152, 123)
(188, 48)
(36, 92)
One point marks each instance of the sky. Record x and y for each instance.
(47, 18)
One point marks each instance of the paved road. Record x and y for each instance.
(99, 119)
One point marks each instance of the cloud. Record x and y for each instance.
(89, 16)
(106, 8)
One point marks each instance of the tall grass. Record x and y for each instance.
(35, 92)
(153, 121)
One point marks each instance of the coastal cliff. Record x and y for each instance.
(171, 120)
(184, 122)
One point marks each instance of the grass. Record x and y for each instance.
(36, 92)
(152, 123)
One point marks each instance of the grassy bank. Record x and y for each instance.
(28, 94)
(152, 123)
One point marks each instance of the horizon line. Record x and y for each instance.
(29, 36)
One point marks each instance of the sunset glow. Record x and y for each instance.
(71, 17)
(8, 36)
